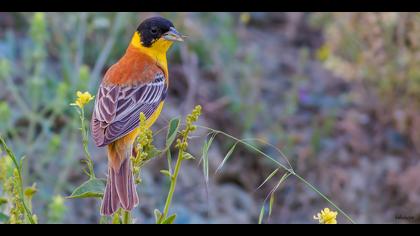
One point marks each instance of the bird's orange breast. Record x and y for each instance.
(133, 68)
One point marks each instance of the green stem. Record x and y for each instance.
(174, 178)
(291, 171)
(85, 145)
(248, 145)
(323, 196)
(17, 166)
(126, 217)
(116, 220)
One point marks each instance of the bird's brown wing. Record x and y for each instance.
(117, 108)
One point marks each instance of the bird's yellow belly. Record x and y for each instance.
(152, 119)
(149, 122)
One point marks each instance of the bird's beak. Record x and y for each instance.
(173, 35)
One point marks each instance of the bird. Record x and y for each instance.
(137, 83)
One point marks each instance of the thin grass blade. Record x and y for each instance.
(205, 156)
(226, 157)
(268, 178)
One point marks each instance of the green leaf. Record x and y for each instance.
(166, 172)
(3, 217)
(283, 178)
(93, 188)
(188, 156)
(273, 191)
(226, 157)
(268, 178)
(170, 138)
(260, 219)
(169, 220)
(158, 215)
(172, 131)
(205, 156)
(116, 220)
(272, 198)
(126, 217)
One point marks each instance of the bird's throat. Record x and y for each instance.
(156, 51)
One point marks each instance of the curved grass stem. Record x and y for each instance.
(289, 170)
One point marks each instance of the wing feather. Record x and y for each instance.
(118, 108)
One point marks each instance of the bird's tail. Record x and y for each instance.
(120, 189)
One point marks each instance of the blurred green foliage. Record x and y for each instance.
(380, 52)
(382, 49)
(56, 209)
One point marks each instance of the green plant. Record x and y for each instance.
(93, 187)
(81, 101)
(181, 145)
(289, 171)
(20, 197)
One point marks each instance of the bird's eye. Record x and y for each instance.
(154, 30)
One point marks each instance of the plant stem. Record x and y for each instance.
(126, 217)
(85, 145)
(290, 170)
(250, 146)
(17, 166)
(323, 196)
(116, 220)
(174, 178)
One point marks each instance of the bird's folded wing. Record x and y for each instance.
(118, 108)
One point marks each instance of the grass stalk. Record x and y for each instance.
(290, 170)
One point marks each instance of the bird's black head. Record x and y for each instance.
(155, 28)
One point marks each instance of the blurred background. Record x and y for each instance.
(338, 93)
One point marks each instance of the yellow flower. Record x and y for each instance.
(82, 99)
(326, 217)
